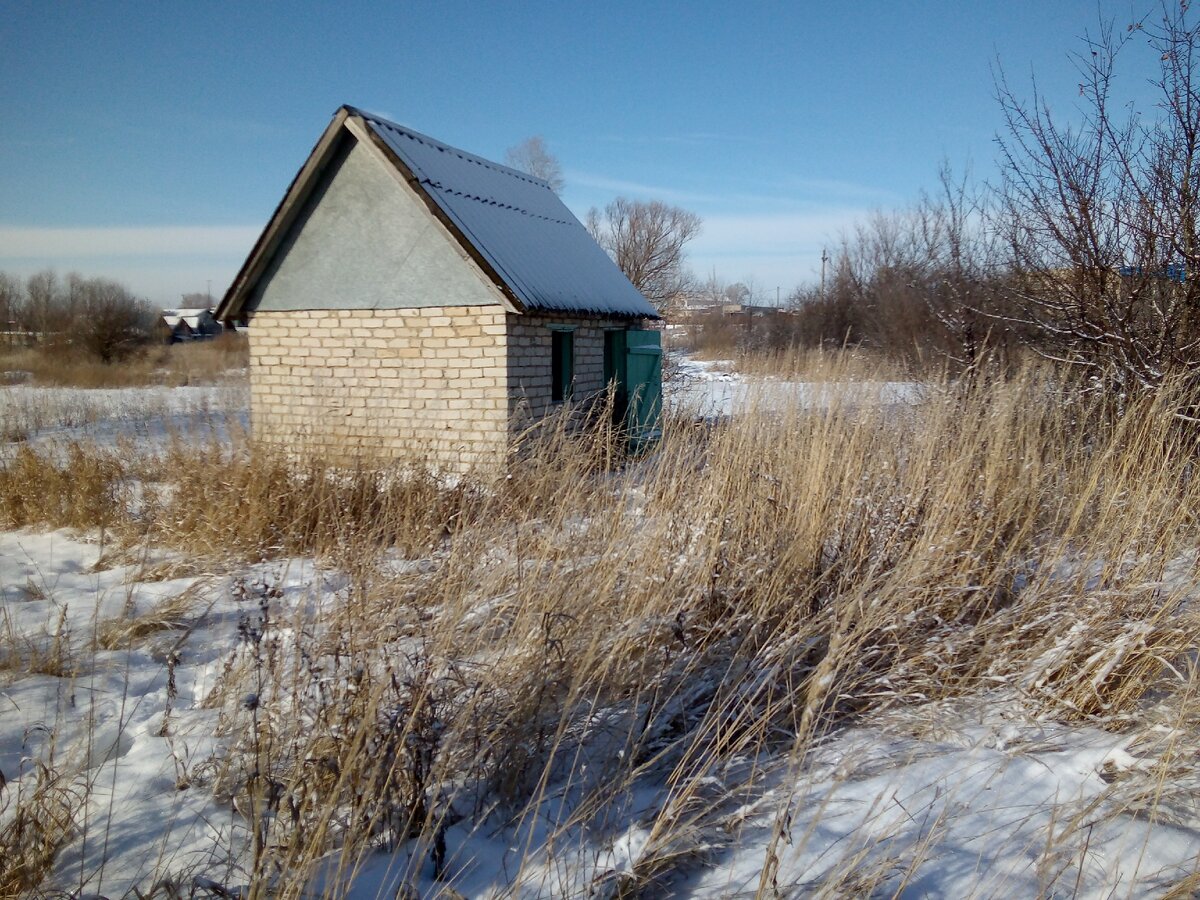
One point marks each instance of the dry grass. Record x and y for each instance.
(197, 362)
(738, 594)
(86, 488)
(839, 366)
(50, 652)
(172, 614)
(37, 818)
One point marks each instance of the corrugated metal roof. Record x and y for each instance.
(518, 225)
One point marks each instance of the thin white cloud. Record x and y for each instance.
(790, 192)
(777, 247)
(161, 282)
(772, 249)
(637, 189)
(848, 190)
(692, 138)
(774, 233)
(24, 243)
(157, 263)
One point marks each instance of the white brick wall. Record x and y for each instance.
(529, 363)
(428, 383)
(443, 385)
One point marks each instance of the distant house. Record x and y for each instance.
(178, 325)
(410, 298)
(758, 311)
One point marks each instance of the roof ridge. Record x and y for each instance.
(479, 197)
(464, 155)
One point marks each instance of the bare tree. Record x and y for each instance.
(919, 284)
(739, 293)
(1100, 218)
(961, 269)
(710, 292)
(96, 315)
(44, 309)
(11, 301)
(110, 322)
(532, 156)
(647, 240)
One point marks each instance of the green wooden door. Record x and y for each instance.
(643, 372)
(616, 374)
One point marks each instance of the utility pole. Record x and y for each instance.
(824, 259)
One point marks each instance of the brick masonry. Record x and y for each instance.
(529, 363)
(429, 384)
(443, 385)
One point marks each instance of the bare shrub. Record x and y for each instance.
(1099, 218)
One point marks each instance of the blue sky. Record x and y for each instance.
(151, 141)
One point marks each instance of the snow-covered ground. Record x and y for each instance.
(973, 814)
(949, 802)
(971, 811)
(978, 798)
(713, 389)
(709, 389)
(98, 713)
(103, 416)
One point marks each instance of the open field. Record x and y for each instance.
(851, 637)
(105, 415)
(173, 365)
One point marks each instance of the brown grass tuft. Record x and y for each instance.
(37, 818)
(173, 614)
(84, 488)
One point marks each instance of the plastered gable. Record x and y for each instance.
(366, 241)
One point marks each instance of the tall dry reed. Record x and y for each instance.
(589, 621)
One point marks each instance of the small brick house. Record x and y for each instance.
(407, 298)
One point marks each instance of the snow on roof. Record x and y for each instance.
(194, 318)
(518, 225)
(515, 227)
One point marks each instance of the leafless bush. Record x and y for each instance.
(98, 316)
(1085, 252)
(924, 285)
(1099, 218)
